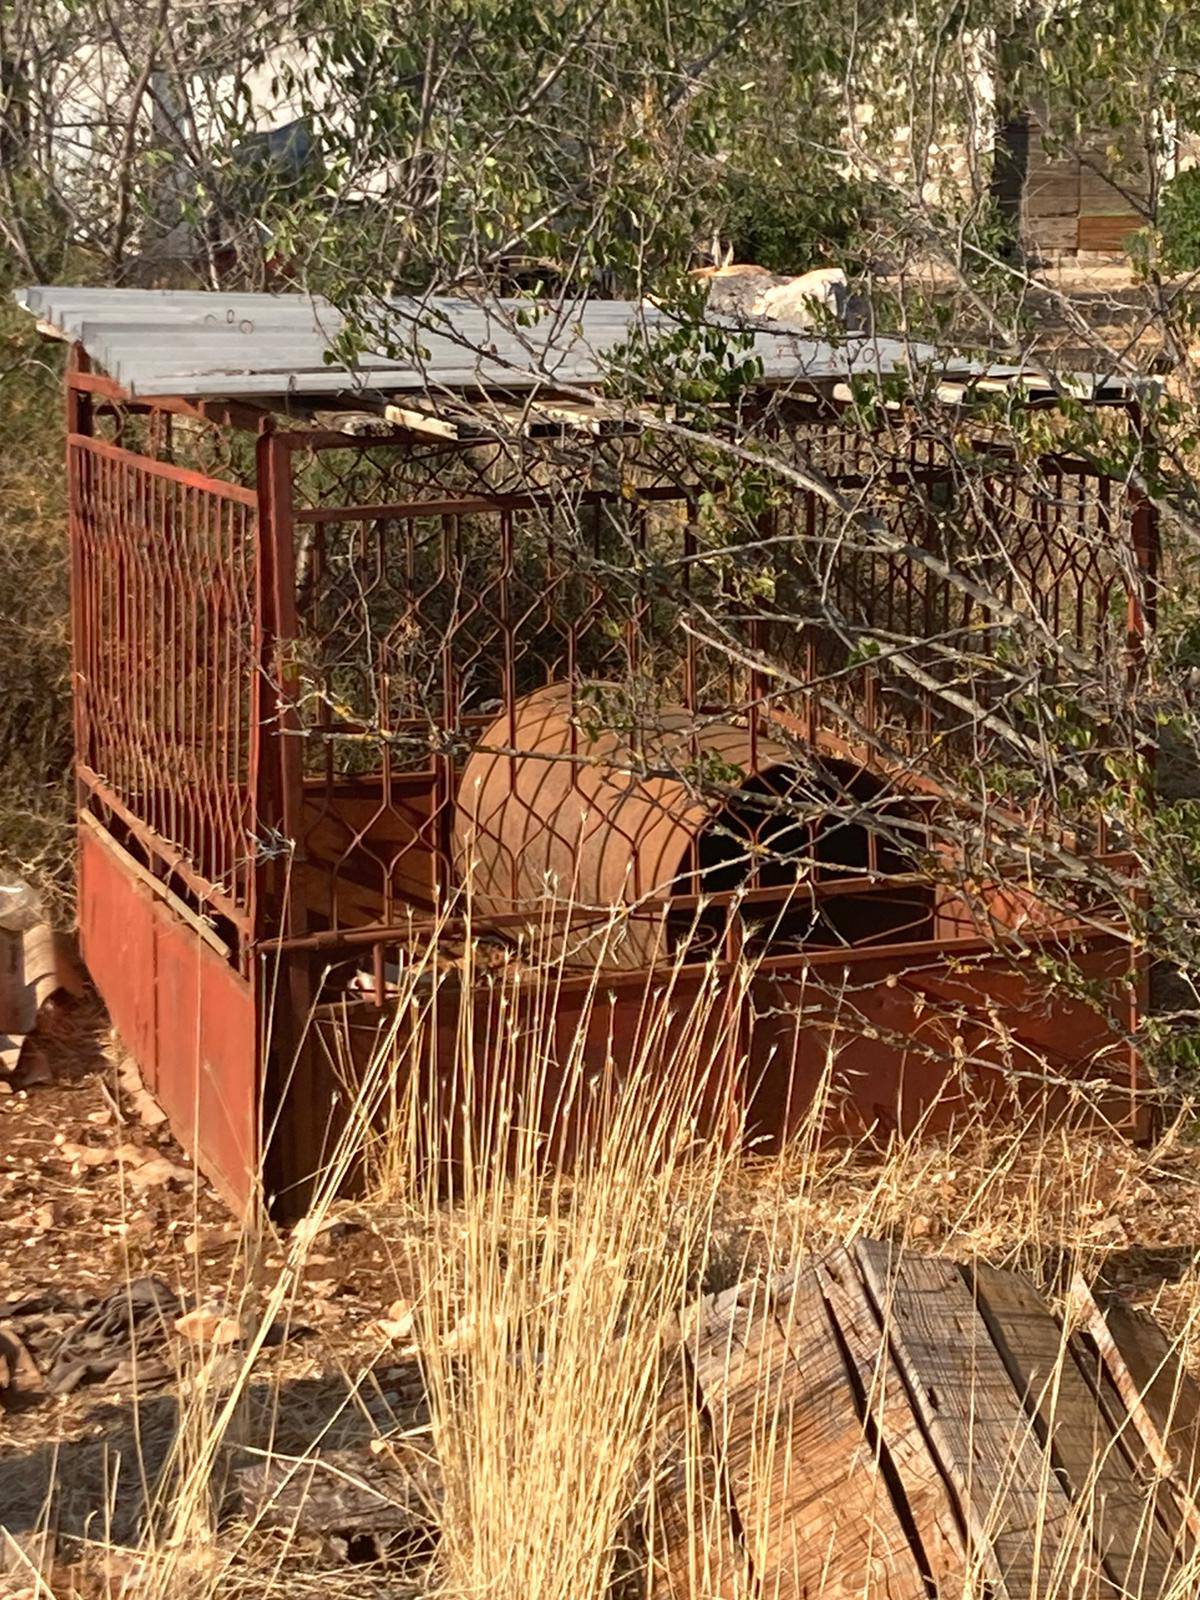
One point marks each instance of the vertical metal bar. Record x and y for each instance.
(443, 761)
(689, 638)
(79, 422)
(508, 669)
(288, 1085)
(810, 641)
(279, 759)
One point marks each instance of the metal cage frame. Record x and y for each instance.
(220, 852)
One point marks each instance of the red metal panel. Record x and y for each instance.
(886, 1045)
(163, 572)
(924, 1039)
(182, 1012)
(564, 1082)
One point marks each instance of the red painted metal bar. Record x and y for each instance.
(78, 426)
(184, 476)
(288, 1070)
(166, 855)
(463, 505)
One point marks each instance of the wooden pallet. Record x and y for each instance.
(879, 1424)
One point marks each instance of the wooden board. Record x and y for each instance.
(1169, 1392)
(1111, 233)
(344, 1492)
(815, 1511)
(1146, 1474)
(1162, 1400)
(692, 1547)
(874, 1426)
(1011, 1499)
(1054, 233)
(1097, 1474)
(890, 1412)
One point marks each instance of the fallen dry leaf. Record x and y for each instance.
(158, 1170)
(21, 1381)
(199, 1242)
(203, 1326)
(399, 1322)
(141, 1102)
(87, 1155)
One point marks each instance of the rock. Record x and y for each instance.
(802, 300)
(734, 288)
(742, 289)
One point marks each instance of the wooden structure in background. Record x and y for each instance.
(1073, 201)
(884, 1424)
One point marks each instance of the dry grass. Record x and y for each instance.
(547, 1306)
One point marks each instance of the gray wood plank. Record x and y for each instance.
(1010, 1496)
(1101, 1480)
(814, 1508)
(935, 1514)
(1162, 1399)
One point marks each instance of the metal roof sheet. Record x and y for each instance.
(205, 344)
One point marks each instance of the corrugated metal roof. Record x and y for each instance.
(206, 344)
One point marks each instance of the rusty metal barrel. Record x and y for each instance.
(568, 801)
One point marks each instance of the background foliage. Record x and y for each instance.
(598, 145)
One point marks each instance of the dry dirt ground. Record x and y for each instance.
(93, 1199)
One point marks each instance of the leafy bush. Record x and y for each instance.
(790, 222)
(1179, 222)
(35, 716)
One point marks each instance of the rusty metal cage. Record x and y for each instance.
(333, 689)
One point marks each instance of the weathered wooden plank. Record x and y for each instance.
(1169, 1392)
(815, 1510)
(1153, 1482)
(1054, 233)
(693, 1549)
(1005, 1484)
(934, 1513)
(1052, 195)
(1110, 233)
(1162, 1400)
(1099, 1477)
(344, 1492)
